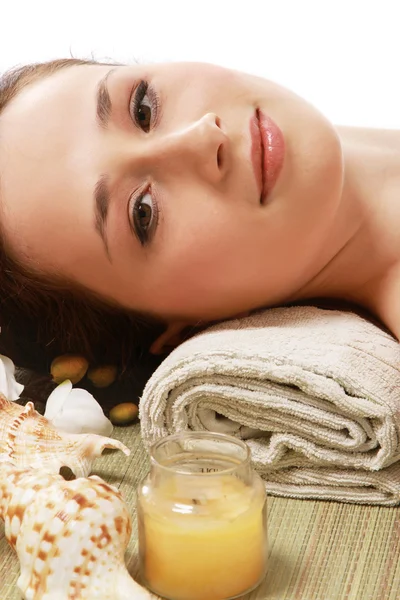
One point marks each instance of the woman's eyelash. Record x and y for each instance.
(144, 221)
(144, 114)
(144, 110)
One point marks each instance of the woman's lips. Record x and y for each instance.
(267, 152)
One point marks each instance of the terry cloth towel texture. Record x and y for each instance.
(314, 392)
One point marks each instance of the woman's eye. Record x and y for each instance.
(143, 114)
(143, 216)
(143, 104)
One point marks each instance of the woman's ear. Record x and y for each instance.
(172, 337)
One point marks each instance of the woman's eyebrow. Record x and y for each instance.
(103, 101)
(101, 204)
(101, 192)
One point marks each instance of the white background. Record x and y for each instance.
(342, 55)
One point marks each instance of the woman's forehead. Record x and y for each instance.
(43, 122)
(47, 138)
(70, 83)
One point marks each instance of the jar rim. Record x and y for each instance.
(182, 435)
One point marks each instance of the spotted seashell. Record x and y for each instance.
(70, 536)
(27, 439)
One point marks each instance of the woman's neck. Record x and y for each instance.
(363, 249)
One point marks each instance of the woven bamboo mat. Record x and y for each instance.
(318, 550)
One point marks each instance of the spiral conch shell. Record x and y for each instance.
(28, 440)
(70, 536)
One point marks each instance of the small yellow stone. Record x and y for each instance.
(102, 376)
(124, 413)
(68, 366)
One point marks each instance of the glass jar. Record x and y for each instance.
(202, 519)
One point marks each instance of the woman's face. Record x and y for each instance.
(137, 182)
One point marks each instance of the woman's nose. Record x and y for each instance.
(201, 146)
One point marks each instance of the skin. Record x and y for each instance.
(329, 227)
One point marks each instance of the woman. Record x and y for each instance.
(183, 193)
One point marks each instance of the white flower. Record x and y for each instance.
(76, 411)
(9, 387)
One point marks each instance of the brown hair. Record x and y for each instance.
(41, 317)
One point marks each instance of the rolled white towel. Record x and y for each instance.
(315, 393)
